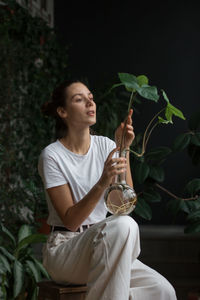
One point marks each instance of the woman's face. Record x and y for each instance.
(80, 106)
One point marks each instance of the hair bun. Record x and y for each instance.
(48, 109)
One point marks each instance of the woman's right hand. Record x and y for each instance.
(112, 167)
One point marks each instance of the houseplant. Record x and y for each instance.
(20, 270)
(148, 172)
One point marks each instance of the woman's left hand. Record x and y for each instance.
(129, 133)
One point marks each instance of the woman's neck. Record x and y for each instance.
(77, 142)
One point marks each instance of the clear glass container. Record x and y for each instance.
(120, 198)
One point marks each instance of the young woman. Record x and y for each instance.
(84, 246)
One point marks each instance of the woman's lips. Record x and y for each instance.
(91, 113)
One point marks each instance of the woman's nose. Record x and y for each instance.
(90, 102)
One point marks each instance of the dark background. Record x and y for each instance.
(160, 40)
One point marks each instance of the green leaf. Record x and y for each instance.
(194, 121)
(193, 186)
(172, 110)
(141, 172)
(181, 142)
(32, 267)
(194, 216)
(196, 139)
(192, 205)
(163, 121)
(129, 81)
(165, 96)
(142, 79)
(8, 233)
(152, 196)
(149, 92)
(31, 239)
(5, 262)
(24, 231)
(34, 294)
(40, 267)
(143, 209)
(158, 154)
(157, 173)
(175, 205)
(6, 253)
(193, 228)
(18, 276)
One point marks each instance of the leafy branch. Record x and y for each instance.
(140, 86)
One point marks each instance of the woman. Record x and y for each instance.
(85, 246)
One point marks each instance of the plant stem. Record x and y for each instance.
(122, 144)
(174, 196)
(148, 126)
(147, 139)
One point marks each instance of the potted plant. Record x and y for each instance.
(19, 269)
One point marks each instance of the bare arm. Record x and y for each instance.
(73, 215)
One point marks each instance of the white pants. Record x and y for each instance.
(105, 257)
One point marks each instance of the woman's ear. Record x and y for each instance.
(62, 112)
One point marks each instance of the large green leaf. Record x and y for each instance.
(149, 92)
(31, 239)
(157, 154)
(129, 81)
(18, 276)
(172, 110)
(194, 121)
(8, 233)
(194, 216)
(40, 267)
(34, 270)
(5, 263)
(6, 253)
(157, 173)
(175, 205)
(181, 142)
(141, 172)
(24, 231)
(151, 196)
(193, 186)
(192, 205)
(143, 209)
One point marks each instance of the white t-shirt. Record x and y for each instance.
(57, 166)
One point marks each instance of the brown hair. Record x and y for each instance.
(58, 98)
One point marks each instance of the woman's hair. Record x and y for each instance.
(58, 98)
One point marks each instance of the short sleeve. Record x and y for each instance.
(50, 171)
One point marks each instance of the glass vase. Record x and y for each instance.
(119, 197)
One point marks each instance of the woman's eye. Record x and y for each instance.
(78, 99)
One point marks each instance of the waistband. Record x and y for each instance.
(80, 229)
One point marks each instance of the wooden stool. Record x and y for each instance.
(50, 290)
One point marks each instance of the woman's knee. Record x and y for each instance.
(122, 225)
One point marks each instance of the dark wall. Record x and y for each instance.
(159, 40)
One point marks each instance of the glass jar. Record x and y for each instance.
(119, 197)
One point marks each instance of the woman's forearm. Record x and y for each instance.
(77, 213)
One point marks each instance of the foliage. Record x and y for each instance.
(32, 63)
(147, 166)
(19, 269)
